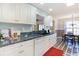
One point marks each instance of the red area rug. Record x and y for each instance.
(54, 52)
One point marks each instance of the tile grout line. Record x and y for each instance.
(56, 45)
(60, 44)
(66, 51)
(72, 51)
(63, 47)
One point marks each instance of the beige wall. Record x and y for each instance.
(59, 24)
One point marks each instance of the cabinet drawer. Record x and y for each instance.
(39, 40)
(15, 48)
(26, 43)
(25, 51)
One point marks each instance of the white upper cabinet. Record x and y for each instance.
(25, 14)
(48, 21)
(22, 13)
(5, 15)
(31, 14)
(0, 12)
(17, 13)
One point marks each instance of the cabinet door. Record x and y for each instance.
(41, 46)
(48, 21)
(33, 15)
(18, 13)
(47, 44)
(26, 49)
(12, 13)
(23, 48)
(23, 13)
(9, 50)
(1, 15)
(52, 39)
(6, 15)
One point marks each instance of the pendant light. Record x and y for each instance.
(69, 4)
(72, 24)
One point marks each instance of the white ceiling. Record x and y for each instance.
(59, 9)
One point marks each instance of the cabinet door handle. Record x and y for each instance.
(21, 51)
(21, 45)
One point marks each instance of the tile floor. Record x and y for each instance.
(69, 50)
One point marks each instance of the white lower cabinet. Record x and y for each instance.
(41, 46)
(44, 43)
(37, 47)
(52, 39)
(22, 49)
(26, 51)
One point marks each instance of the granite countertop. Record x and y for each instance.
(7, 42)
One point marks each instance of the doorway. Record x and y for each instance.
(72, 27)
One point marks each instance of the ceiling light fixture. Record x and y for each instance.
(50, 9)
(41, 3)
(69, 4)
